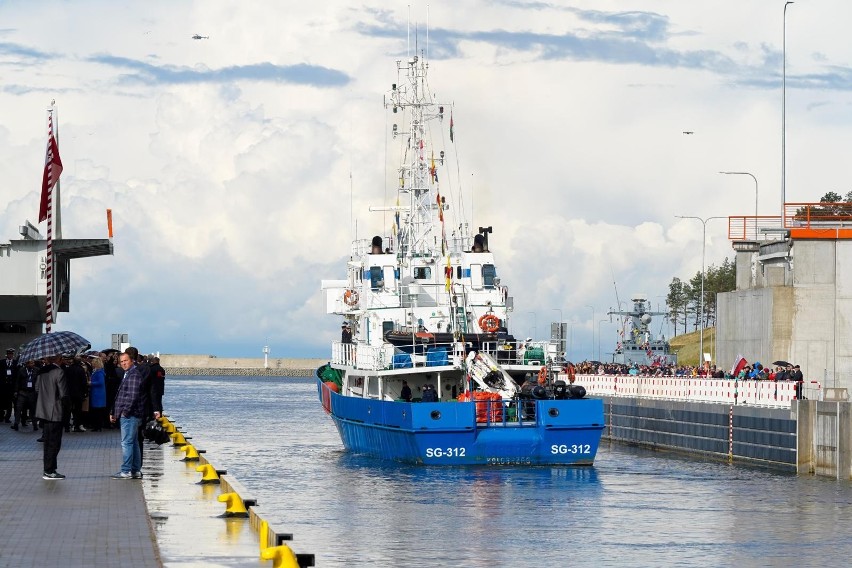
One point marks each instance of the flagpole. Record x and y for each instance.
(48, 303)
(56, 202)
(50, 177)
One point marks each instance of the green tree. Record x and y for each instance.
(677, 301)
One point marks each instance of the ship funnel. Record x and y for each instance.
(376, 246)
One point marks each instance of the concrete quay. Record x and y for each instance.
(89, 519)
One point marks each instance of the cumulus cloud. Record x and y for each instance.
(239, 168)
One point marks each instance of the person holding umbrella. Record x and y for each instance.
(52, 396)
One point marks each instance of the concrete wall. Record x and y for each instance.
(810, 437)
(758, 435)
(824, 438)
(795, 308)
(209, 362)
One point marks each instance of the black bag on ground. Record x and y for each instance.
(155, 432)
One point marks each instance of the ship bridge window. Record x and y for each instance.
(423, 272)
(376, 280)
(482, 276)
(489, 272)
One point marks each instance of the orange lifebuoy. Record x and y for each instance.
(489, 323)
(350, 297)
(542, 375)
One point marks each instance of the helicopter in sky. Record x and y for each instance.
(197, 36)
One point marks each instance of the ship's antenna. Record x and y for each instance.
(408, 33)
(427, 32)
(617, 299)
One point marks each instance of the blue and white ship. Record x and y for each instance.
(428, 312)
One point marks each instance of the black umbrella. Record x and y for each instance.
(782, 364)
(53, 344)
(110, 350)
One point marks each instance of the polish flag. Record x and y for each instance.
(52, 170)
(739, 364)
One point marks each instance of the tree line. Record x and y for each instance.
(684, 298)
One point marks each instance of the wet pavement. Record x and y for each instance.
(89, 519)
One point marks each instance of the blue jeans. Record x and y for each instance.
(130, 450)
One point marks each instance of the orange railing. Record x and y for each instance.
(804, 220)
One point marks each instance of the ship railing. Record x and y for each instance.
(360, 356)
(532, 353)
(514, 412)
(388, 357)
(774, 394)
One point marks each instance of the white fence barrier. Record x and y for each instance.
(692, 389)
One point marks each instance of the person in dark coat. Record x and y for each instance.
(25, 395)
(158, 387)
(50, 408)
(78, 390)
(345, 333)
(8, 376)
(405, 394)
(800, 379)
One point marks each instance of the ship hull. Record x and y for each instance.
(549, 432)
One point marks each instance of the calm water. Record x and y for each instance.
(633, 508)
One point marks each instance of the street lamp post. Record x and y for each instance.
(755, 195)
(535, 325)
(784, 113)
(591, 307)
(599, 337)
(701, 299)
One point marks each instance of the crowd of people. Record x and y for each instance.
(755, 372)
(79, 393)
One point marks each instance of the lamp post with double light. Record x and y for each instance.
(701, 298)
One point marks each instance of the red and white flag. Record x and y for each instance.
(739, 365)
(52, 170)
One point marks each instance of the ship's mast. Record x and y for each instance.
(418, 203)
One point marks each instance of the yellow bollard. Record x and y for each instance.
(169, 427)
(191, 453)
(178, 439)
(208, 474)
(234, 506)
(263, 535)
(281, 556)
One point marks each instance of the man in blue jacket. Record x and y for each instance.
(129, 410)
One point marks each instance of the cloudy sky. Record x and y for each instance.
(229, 162)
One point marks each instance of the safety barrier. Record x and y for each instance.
(774, 394)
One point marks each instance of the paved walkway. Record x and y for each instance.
(91, 520)
(87, 519)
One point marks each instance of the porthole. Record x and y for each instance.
(436, 415)
(554, 412)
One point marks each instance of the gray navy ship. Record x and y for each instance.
(637, 344)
